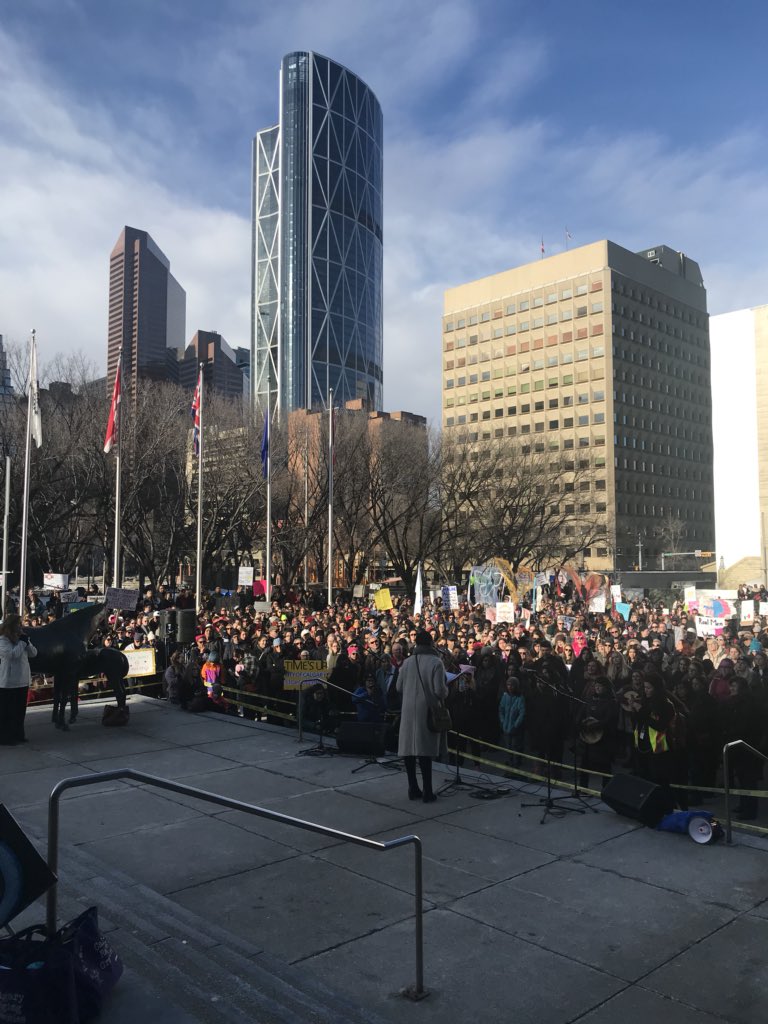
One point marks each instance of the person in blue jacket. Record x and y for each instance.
(512, 718)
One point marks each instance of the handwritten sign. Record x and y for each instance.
(141, 663)
(123, 600)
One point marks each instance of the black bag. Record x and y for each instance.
(438, 715)
(37, 981)
(439, 718)
(97, 967)
(63, 980)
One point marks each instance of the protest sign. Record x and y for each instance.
(298, 673)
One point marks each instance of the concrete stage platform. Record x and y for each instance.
(587, 917)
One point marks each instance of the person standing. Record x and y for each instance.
(421, 681)
(15, 651)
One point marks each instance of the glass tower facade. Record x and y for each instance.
(317, 241)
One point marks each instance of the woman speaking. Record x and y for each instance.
(15, 652)
(421, 681)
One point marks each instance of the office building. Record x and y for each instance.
(604, 353)
(317, 242)
(221, 372)
(740, 428)
(147, 312)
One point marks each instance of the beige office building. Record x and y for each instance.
(604, 352)
(740, 426)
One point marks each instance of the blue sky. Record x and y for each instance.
(504, 122)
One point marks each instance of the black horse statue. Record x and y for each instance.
(62, 651)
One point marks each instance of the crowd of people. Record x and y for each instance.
(646, 695)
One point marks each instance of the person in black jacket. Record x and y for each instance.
(744, 722)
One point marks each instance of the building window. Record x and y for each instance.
(510, 308)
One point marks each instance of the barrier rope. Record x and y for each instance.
(270, 711)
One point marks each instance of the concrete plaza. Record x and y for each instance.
(586, 917)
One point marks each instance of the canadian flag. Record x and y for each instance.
(111, 438)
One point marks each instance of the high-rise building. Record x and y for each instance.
(147, 311)
(604, 353)
(740, 427)
(221, 372)
(316, 317)
(6, 388)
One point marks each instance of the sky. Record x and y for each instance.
(505, 121)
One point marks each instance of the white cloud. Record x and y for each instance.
(475, 173)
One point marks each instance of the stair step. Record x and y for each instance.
(204, 969)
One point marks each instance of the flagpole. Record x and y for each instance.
(116, 577)
(268, 567)
(199, 566)
(27, 464)
(330, 498)
(6, 523)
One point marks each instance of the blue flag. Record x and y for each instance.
(265, 446)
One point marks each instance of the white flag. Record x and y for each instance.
(418, 598)
(34, 397)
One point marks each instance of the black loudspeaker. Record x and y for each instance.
(366, 738)
(185, 625)
(167, 619)
(637, 798)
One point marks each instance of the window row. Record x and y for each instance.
(510, 308)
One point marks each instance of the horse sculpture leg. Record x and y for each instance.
(64, 691)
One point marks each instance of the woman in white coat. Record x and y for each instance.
(421, 676)
(15, 652)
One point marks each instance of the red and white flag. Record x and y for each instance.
(114, 412)
(195, 410)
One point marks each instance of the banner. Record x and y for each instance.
(300, 672)
(382, 600)
(56, 580)
(244, 575)
(505, 611)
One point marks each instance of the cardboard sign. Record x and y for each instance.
(505, 611)
(615, 593)
(450, 597)
(140, 663)
(382, 600)
(122, 600)
(624, 610)
(244, 575)
(709, 625)
(597, 604)
(747, 613)
(298, 673)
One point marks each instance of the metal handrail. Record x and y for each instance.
(727, 780)
(416, 991)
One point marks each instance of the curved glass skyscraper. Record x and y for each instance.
(317, 241)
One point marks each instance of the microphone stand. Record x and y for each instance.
(556, 805)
